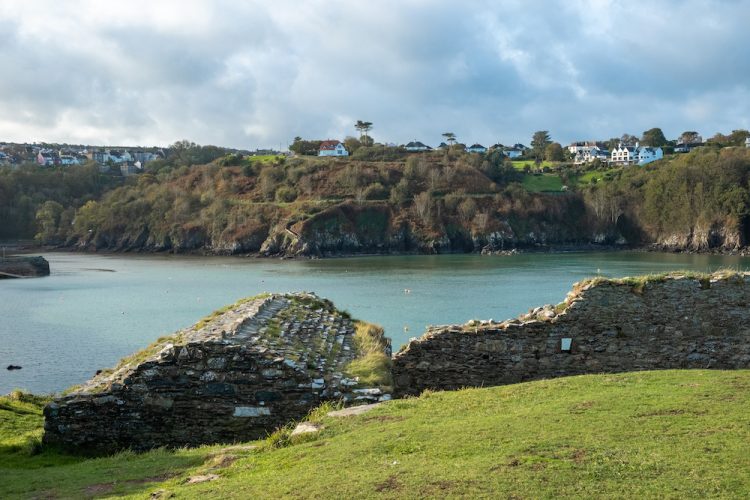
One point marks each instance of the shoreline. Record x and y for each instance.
(25, 248)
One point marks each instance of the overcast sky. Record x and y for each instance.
(253, 74)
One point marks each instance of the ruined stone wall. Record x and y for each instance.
(671, 322)
(237, 377)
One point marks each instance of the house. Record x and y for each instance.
(46, 158)
(629, 155)
(67, 160)
(513, 153)
(476, 148)
(747, 142)
(587, 154)
(144, 156)
(649, 154)
(624, 155)
(128, 169)
(332, 148)
(415, 146)
(687, 147)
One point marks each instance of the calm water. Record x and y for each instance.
(95, 309)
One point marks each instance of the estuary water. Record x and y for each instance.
(95, 309)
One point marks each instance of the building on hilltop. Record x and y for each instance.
(416, 146)
(332, 148)
(630, 155)
(47, 158)
(587, 154)
(476, 148)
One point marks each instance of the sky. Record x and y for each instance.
(255, 74)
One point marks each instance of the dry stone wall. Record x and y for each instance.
(236, 377)
(604, 326)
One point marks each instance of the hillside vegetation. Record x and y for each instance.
(430, 203)
(673, 434)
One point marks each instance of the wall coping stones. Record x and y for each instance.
(672, 320)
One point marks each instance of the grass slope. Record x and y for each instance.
(672, 434)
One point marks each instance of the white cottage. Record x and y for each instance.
(587, 154)
(647, 155)
(332, 148)
(629, 155)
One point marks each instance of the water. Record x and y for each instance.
(94, 309)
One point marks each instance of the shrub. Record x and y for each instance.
(286, 194)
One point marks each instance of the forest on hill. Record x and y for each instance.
(386, 202)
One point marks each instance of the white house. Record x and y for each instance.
(629, 155)
(587, 154)
(332, 148)
(747, 142)
(647, 155)
(576, 147)
(476, 148)
(416, 146)
(624, 155)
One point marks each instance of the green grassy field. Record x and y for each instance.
(263, 158)
(520, 164)
(669, 434)
(543, 182)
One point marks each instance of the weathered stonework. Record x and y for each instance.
(672, 321)
(234, 377)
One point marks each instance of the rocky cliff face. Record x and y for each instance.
(234, 377)
(23, 267)
(673, 321)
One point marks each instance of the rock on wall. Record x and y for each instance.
(233, 377)
(672, 321)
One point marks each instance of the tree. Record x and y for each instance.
(539, 143)
(628, 140)
(653, 137)
(554, 152)
(364, 127)
(450, 138)
(690, 137)
(302, 147)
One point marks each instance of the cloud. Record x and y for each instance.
(256, 74)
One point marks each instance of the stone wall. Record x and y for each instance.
(671, 321)
(234, 377)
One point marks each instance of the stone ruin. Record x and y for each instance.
(235, 376)
(604, 326)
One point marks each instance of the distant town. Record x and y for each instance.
(626, 150)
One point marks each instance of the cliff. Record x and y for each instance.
(235, 376)
(646, 323)
(22, 266)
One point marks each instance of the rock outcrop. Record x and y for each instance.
(23, 266)
(648, 323)
(235, 376)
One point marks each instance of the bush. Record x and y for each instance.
(376, 191)
(286, 194)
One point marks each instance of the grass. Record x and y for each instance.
(543, 182)
(521, 164)
(638, 283)
(372, 366)
(264, 158)
(663, 434)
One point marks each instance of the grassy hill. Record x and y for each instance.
(671, 434)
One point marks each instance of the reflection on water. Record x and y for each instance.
(95, 309)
